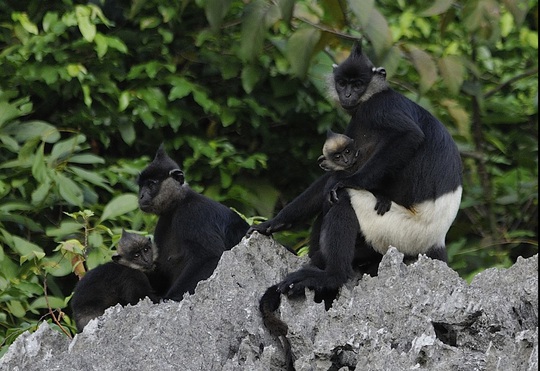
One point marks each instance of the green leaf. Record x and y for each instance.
(258, 15)
(16, 308)
(40, 193)
(300, 48)
(150, 22)
(24, 131)
(378, 32)
(8, 112)
(21, 220)
(123, 101)
(87, 28)
(86, 158)
(91, 177)
(65, 148)
(127, 131)
(26, 248)
(215, 12)
(519, 10)
(57, 265)
(86, 94)
(227, 117)
(437, 7)
(67, 227)
(117, 44)
(101, 45)
(120, 205)
(51, 301)
(362, 9)
(250, 76)
(49, 20)
(69, 190)
(39, 169)
(427, 70)
(25, 22)
(180, 89)
(392, 60)
(287, 9)
(452, 72)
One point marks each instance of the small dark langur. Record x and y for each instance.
(121, 281)
(340, 155)
(192, 231)
(136, 251)
(407, 155)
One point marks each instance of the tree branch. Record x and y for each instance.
(523, 75)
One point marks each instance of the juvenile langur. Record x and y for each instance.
(122, 281)
(192, 231)
(407, 156)
(339, 152)
(340, 155)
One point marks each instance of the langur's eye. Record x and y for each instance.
(347, 151)
(145, 249)
(137, 255)
(152, 183)
(341, 83)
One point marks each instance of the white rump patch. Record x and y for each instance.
(413, 232)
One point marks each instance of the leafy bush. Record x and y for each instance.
(237, 91)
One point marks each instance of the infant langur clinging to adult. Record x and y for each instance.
(340, 153)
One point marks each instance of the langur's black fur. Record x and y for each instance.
(406, 155)
(192, 231)
(121, 281)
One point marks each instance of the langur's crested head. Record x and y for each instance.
(161, 167)
(162, 161)
(355, 80)
(356, 66)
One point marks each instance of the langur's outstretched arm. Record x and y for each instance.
(307, 205)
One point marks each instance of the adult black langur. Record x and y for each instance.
(192, 231)
(122, 281)
(407, 156)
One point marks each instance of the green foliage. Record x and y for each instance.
(237, 92)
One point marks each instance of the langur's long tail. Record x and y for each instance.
(268, 304)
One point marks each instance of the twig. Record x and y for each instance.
(51, 312)
(523, 75)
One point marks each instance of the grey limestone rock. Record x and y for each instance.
(418, 316)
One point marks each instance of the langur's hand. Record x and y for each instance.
(266, 228)
(382, 205)
(333, 196)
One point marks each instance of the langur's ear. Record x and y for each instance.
(379, 71)
(177, 175)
